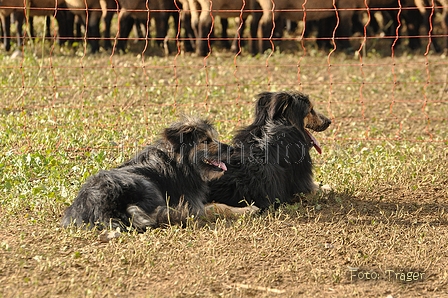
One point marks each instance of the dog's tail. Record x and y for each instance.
(161, 216)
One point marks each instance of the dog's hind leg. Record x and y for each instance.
(141, 219)
(162, 215)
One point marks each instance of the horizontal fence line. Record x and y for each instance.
(423, 121)
(245, 9)
(179, 105)
(176, 85)
(339, 120)
(242, 38)
(322, 140)
(112, 66)
(140, 147)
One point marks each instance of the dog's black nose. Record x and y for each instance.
(326, 123)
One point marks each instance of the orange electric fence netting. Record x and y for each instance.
(377, 68)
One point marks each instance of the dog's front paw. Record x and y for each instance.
(250, 209)
(325, 188)
(229, 211)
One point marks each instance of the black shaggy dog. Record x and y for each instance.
(271, 160)
(163, 184)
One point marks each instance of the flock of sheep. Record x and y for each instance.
(336, 20)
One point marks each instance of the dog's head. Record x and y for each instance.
(195, 141)
(293, 107)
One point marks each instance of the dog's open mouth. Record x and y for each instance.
(314, 142)
(219, 165)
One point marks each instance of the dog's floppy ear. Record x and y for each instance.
(280, 103)
(290, 106)
(178, 134)
(188, 132)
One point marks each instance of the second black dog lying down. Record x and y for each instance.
(271, 162)
(164, 184)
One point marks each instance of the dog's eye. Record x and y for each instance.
(207, 141)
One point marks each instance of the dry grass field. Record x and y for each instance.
(383, 232)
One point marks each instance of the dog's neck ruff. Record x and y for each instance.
(314, 142)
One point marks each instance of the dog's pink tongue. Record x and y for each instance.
(315, 142)
(220, 165)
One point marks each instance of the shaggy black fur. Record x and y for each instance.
(271, 161)
(165, 183)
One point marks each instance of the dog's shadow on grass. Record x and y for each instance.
(411, 209)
